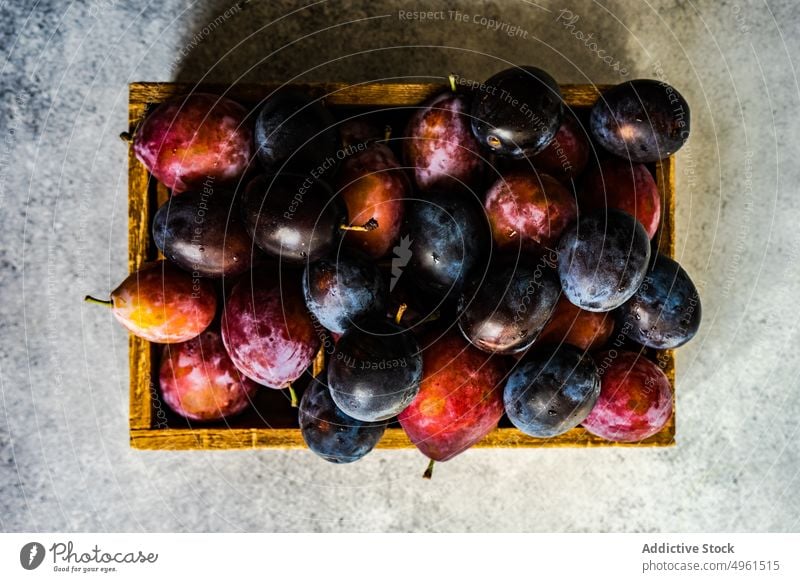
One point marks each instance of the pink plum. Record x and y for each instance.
(569, 324)
(566, 156)
(439, 145)
(460, 399)
(635, 398)
(527, 209)
(164, 304)
(190, 142)
(373, 186)
(267, 330)
(199, 381)
(626, 186)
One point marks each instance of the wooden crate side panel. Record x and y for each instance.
(368, 94)
(665, 179)
(394, 438)
(138, 246)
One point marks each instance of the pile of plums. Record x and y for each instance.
(490, 256)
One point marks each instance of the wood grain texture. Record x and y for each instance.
(394, 438)
(145, 195)
(665, 179)
(361, 95)
(139, 213)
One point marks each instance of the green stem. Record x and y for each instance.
(432, 317)
(293, 396)
(400, 311)
(452, 78)
(429, 471)
(368, 226)
(106, 303)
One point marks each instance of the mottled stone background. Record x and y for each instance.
(65, 463)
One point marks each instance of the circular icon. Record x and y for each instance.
(31, 555)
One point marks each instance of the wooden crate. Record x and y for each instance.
(153, 427)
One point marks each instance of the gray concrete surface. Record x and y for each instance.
(65, 463)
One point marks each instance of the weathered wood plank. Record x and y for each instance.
(138, 247)
(362, 95)
(394, 438)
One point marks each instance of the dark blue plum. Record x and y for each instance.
(291, 217)
(342, 289)
(375, 370)
(602, 259)
(642, 120)
(517, 112)
(296, 133)
(551, 392)
(419, 312)
(449, 238)
(665, 312)
(504, 312)
(203, 234)
(329, 432)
